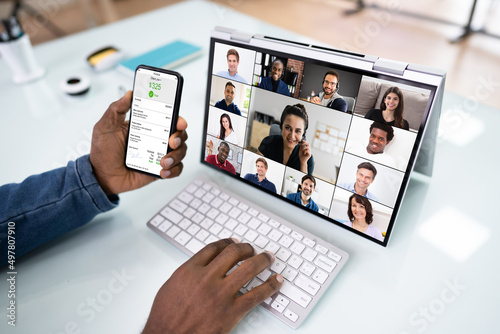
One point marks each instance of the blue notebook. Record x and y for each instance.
(168, 56)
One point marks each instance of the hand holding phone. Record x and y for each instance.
(153, 118)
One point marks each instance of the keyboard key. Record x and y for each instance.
(334, 256)
(254, 223)
(172, 232)
(211, 238)
(204, 208)
(253, 212)
(295, 261)
(274, 223)
(212, 213)
(272, 247)
(251, 235)
(307, 268)
(241, 229)
(264, 229)
(278, 307)
(206, 223)
(289, 273)
(225, 207)
(285, 241)
(195, 204)
(185, 197)
(216, 202)
(244, 218)
(225, 197)
(285, 229)
(189, 212)
(295, 294)
(307, 285)
(263, 217)
(242, 206)
(182, 238)
(184, 224)
(225, 233)
(277, 266)
(261, 241)
(233, 201)
(282, 300)
(296, 235)
(215, 229)
(291, 315)
(322, 249)
(157, 220)
(199, 193)
(171, 215)
(297, 248)
(320, 276)
(165, 226)
(231, 224)
(221, 219)
(197, 218)
(268, 300)
(207, 186)
(325, 263)
(274, 235)
(234, 213)
(193, 229)
(202, 235)
(264, 275)
(191, 188)
(215, 191)
(194, 245)
(309, 242)
(309, 254)
(283, 254)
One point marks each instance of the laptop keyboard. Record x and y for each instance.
(203, 213)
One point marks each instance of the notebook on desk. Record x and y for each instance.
(336, 134)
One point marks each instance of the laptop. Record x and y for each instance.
(336, 134)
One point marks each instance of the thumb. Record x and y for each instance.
(113, 118)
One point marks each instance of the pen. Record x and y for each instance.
(15, 28)
(6, 33)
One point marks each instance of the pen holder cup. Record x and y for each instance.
(18, 54)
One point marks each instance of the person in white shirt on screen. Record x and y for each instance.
(233, 61)
(226, 130)
(365, 175)
(360, 214)
(380, 136)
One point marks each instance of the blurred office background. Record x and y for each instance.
(411, 31)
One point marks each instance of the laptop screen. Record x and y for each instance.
(335, 138)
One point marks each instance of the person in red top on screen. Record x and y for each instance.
(220, 160)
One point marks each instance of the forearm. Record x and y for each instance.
(50, 204)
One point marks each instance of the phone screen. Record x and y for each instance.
(153, 116)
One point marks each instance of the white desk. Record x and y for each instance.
(400, 289)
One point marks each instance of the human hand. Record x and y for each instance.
(200, 298)
(304, 153)
(316, 100)
(107, 152)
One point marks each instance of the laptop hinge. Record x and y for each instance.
(390, 66)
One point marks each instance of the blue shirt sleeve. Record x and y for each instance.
(45, 206)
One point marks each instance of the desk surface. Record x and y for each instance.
(433, 278)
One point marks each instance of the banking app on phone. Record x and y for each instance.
(150, 119)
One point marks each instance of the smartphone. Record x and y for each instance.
(153, 117)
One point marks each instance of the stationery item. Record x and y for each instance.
(104, 58)
(168, 56)
(18, 54)
(76, 85)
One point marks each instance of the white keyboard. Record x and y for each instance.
(203, 213)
